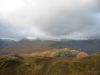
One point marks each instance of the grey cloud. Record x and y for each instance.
(53, 19)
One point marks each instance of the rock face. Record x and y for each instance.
(65, 52)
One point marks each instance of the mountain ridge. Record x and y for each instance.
(28, 46)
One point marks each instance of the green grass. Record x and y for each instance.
(28, 65)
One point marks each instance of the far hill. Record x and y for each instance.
(90, 46)
(6, 42)
(29, 46)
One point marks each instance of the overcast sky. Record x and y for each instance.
(50, 19)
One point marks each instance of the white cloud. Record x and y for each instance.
(49, 18)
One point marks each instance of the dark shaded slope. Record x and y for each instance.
(90, 46)
(6, 42)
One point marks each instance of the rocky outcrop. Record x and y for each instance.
(65, 52)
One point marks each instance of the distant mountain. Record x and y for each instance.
(90, 46)
(29, 46)
(6, 42)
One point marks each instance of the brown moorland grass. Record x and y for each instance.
(31, 65)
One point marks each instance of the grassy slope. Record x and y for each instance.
(28, 65)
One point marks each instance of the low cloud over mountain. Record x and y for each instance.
(50, 19)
